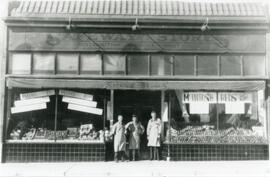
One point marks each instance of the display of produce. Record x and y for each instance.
(88, 132)
(85, 132)
(30, 134)
(15, 134)
(207, 134)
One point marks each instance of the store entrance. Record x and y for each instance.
(141, 103)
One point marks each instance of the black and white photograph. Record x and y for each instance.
(119, 88)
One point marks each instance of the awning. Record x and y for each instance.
(134, 84)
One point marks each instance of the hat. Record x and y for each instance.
(134, 115)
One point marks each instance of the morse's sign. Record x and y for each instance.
(137, 42)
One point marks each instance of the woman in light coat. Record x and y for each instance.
(136, 130)
(118, 130)
(153, 135)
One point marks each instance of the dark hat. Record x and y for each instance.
(134, 115)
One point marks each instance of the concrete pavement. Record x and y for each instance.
(142, 168)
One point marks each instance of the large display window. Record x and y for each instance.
(216, 117)
(56, 115)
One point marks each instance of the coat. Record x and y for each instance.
(136, 130)
(153, 132)
(118, 130)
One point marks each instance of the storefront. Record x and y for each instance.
(73, 66)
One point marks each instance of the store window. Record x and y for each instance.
(184, 65)
(67, 63)
(218, 117)
(20, 63)
(90, 64)
(161, 65)
(35, 118)
(230, 65)
(81, 116)
(207, 65)
(32, 114)
(254, 65)
(43, 63)
(138, 64)
(114, 64)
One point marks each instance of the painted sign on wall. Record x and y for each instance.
(137, 42)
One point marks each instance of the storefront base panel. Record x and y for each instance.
(49, 152)
(215, 152)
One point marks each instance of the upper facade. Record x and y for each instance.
(143, 10)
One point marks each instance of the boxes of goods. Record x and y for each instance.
(72, 133)
(29, 135)
(59, 135)
(40, 133)
(202, 134)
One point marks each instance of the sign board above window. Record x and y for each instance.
(137, 42)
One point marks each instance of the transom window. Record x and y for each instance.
(166, 65)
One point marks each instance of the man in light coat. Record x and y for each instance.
(153, 135)
(118, 130)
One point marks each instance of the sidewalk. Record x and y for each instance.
(142, 168)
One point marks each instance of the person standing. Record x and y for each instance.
(118, 130)
(153, 135)
(136, 130)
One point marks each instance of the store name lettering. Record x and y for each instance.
(212, 97)
(227, 98)
(199, 97)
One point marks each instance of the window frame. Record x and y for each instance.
(149, 55)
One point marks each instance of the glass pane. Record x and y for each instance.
(207, 65)
(161, 65)
(254, 65)
(20, 63)
(241, 117)
(91, 64)
(138, 65)
(31, 118)
(184, 65)
(67, 63)
(230, 65)
(114, 64)
(79, 119)
(43, 63)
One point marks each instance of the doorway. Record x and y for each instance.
(141, 103)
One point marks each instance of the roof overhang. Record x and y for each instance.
(160, 22)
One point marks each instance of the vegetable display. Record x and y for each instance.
(207, 134)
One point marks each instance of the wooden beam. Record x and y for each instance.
(163, 134)
(112, 104)
(55, 114)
